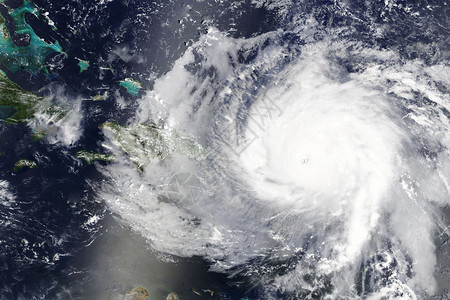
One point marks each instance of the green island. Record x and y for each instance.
(148, 143)
(39, 135)
(83, 64)
(30, 58)
(101, 97)
(24, 163)
(18, 105)
(132, 86)
(90, 156)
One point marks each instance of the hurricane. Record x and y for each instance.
(326, 170)
(230, 150)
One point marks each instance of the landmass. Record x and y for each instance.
(100, 97)
(30, 58)
(172, 296)
(18, 105)
(147, 143)
(24, 163)
(138, 293)
(90, 156)
(38, 135)
(196, 292)
(132, 86)
(83, 64)
(106, 69)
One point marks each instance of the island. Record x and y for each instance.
(83, 64)
(38, 134)
(16, 104)
(90, 156)
(148, 143)
(172, 296)
(101, 97)
(132, 86)
(138, 293)
(24, 163)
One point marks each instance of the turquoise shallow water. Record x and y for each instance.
(30, 57)
(131, 86)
